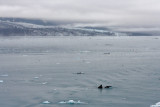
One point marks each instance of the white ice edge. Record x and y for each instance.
(46, 102)
(156, 105)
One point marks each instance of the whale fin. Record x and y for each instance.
(108, 87)
(100, 87)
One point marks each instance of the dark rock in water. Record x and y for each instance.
(108, 87)
(100, 87)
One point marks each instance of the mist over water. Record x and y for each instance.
(34, 70)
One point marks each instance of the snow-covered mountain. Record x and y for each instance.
(35, 27)
(21, 29)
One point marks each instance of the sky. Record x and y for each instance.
(105, 12)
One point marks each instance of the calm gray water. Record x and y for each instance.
(38, 69)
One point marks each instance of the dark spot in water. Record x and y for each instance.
(108, 87)
(108, 44)
(80, 73)
(107, 53)
(100, 87)
(156, 38)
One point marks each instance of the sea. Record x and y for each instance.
(66, 71)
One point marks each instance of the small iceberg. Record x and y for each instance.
(36, 77)
(71, 102)
(46, 102)
(156, 105)
(85, 51)
(44, 83)
(62, 102)
(1, 81)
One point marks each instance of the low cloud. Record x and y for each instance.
(107, 12)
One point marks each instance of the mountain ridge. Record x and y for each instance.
(37, 27)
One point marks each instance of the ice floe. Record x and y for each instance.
(36, 77)
(156, 105)
(72, 102)
(46, 102)
(85, 51)
(1, 81)
(44, 83)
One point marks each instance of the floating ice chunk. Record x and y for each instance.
(85, 51)
(156, 105)
(71, 102)
(36, 77)
(46, 102)
(79, 102)
(1, 81)
(44, 83)
(62, 102)
(75, 102)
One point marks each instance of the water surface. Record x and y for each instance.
(38, 69)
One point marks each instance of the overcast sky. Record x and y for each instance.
(109, 12)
